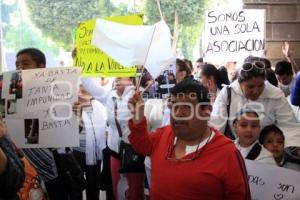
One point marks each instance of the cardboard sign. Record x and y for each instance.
(95, 62)
(272, 182)
(38, 107)
(230, 35)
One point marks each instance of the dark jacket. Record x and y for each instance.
(13, 177)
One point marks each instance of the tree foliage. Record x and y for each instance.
(189, 11)
(6, 10)
(23, 36)
(18, 34)
(58, 18)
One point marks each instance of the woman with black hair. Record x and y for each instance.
(182, 71)
(252, 90)
(213, 80)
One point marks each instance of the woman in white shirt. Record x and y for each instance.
(116, 103)
(252, 91)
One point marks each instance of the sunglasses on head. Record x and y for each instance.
(249, 66)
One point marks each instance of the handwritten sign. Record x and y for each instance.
(95, 62)
(43, 116)
(264, 185)
(232, 34)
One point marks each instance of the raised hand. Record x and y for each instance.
(286, 50)
(136, 107)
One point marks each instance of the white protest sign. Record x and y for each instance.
(45, 117)
(272, 182)
(42, 88)
(230, 35)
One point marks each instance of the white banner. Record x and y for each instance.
(38, 107)
(230, 35)
(136, 45)
(271, 182)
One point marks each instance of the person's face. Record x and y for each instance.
(204, 80)
(199, 65)
(122, 82)
(171, 77)
(253, 88)
(207, 81)
(187, 117)
(180, 75)
(24, 61)
(84, 96)
(274, 142)
(285, 79)
(247, 129)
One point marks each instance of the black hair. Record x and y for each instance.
(257, 71)
(192, 86)
(267, 63)
(200, 60)
(244, 111)
(146, 76)
(224, 75)
(267, 130)
(211, 70)
(283, 68)
(271, 77)
(37, 55)
(182, 66)
(133, 79)
(189, 64)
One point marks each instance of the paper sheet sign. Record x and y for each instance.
(269, 182)
(95, 62)
(230, 35)
(38, 107)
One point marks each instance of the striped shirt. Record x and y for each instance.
(43, 161)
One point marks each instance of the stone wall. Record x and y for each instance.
(283, 24)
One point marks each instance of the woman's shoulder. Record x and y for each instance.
(271, 92)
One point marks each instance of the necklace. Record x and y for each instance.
(171, 148)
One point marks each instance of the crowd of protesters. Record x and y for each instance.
(195, 135)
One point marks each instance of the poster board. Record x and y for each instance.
(230, 35)
(272, 182)
(95, 62)
(38, 107)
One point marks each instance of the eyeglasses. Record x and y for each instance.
(171, 157)
(249, 66)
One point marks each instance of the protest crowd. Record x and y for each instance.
(182, 134)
